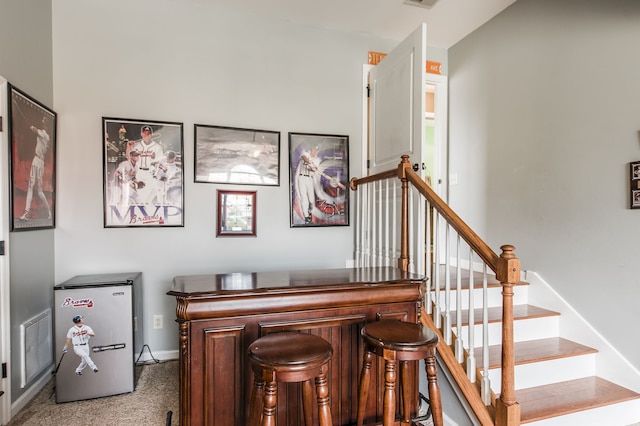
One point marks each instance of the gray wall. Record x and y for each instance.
(544, 119)
(26, 62)
(195, 62)
(189, 62)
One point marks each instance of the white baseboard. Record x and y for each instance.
(159, 355)
(31, 392)
(611, 364)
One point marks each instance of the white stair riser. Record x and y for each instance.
(621, 414)
(546, 372)
(529, 329)
(494, 297)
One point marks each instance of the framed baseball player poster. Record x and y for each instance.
(143, 173)
(319, 179)
(32, 132)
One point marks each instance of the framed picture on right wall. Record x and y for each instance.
(319, 179)
(634, 172)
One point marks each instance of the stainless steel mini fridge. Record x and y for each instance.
(98, 318)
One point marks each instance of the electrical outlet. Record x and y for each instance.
(157, 321)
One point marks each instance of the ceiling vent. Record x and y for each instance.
(427, 4)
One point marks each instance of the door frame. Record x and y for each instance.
(364, 159)
(5, 314)
(441, 134)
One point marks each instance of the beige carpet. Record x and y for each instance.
(156, 394)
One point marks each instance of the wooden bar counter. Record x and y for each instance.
(220, 315)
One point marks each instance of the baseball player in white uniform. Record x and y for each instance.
(125, 181)
(79, 336)
(151, 152)
(305, 181)
(37, 170)
(167, 174)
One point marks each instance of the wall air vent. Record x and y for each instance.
(36, 347)
(427, 4)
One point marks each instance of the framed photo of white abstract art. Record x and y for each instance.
(236, 156)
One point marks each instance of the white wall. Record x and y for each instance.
(544, 119)
(194, 62)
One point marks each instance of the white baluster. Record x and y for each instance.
(447, 288)
(459, 348)
(471, 359)
(437, 314)
(486, 383)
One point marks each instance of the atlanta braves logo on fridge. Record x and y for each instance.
(77, 303)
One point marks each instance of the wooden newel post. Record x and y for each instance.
(403, 261)
(508, 273)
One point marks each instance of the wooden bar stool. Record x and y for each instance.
(289, 357)
(399, 341)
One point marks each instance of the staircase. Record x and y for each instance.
(556, 378)
(554, 368)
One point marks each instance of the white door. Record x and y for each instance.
(397, 104)
(396, 127)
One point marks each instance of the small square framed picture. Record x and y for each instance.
(236, 214)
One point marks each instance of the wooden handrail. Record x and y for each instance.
(464, 230)
(355, 182)
(506, 266)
